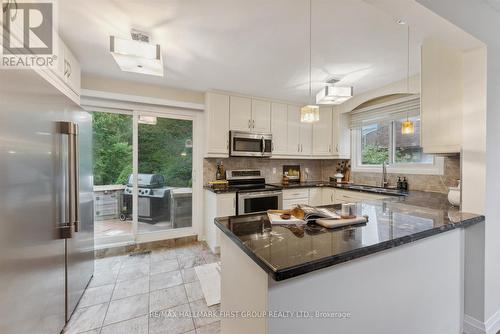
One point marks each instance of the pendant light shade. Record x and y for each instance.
(407, 128)
(309, 114)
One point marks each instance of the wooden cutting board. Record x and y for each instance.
(333, 223)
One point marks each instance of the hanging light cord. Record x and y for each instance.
(310, 51)
(408, 69)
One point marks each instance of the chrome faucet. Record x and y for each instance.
(384, 182)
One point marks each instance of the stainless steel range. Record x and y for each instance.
(253, 194)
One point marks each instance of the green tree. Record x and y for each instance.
(374, 154)
(162, 149)
(112, 147)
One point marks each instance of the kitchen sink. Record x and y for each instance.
(391, 191)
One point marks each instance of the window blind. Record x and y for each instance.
(386, 112)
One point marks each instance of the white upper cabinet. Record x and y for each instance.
(341, 138)
(71, 71)
(322, 133)
(217, 125)
(279, 128)
(306, 134)
(261, 116)
(293, 130)
(441, 98)
(240, 118)
(299, 134)
(248, 114)
(328, 139)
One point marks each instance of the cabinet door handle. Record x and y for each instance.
(337, 148)
(253, 124)
(298, 147)
(227, 144)
(249, 123)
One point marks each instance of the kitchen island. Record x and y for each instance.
(402, 272)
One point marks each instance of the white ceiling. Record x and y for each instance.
(257, 47)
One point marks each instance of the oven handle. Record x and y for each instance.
(261, 194)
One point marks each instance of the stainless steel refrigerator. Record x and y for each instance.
(46, 204)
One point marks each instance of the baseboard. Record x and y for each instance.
(493, 323)
(474, 326)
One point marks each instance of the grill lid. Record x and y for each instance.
(147, 180)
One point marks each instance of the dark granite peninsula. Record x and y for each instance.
(285, 251)
(411, 250)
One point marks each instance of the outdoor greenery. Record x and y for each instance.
(164, 149)
(112, 148)
(374, 154)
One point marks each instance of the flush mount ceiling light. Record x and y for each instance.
(137, 54)
(332, 94)
(150, 120)
(310, 113)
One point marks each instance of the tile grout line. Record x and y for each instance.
(111, 297)
(149, 291)
(187, 298)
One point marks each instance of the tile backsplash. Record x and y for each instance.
(321, 170)
(432, 183)
(315, 167)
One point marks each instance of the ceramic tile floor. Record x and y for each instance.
(136, 294)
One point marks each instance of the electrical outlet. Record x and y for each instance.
(274, 170)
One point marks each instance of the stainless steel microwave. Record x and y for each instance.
(250, 144)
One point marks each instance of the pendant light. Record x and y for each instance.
(407, 127)
(310, 112)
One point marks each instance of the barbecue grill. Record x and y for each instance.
(154, 199)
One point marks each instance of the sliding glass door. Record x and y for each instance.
(165, 172)
(112, 167)
(143, 175)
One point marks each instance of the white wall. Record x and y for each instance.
(474, 131)
(481, 20)
(398, 87)
(98, 83)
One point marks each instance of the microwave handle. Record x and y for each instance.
(263, 143)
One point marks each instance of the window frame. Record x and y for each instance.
(435, 168)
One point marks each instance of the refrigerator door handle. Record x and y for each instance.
(76, 178)
(71, 130)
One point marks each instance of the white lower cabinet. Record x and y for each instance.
(350, 196)
(328, 196)
(292, 197)
(316, 196)
(217, 205)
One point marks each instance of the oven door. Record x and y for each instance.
(249, 144)
(254, 202)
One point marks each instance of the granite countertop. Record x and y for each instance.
(313, 184)
(347, 186)
(288, 251)
(220, 191)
